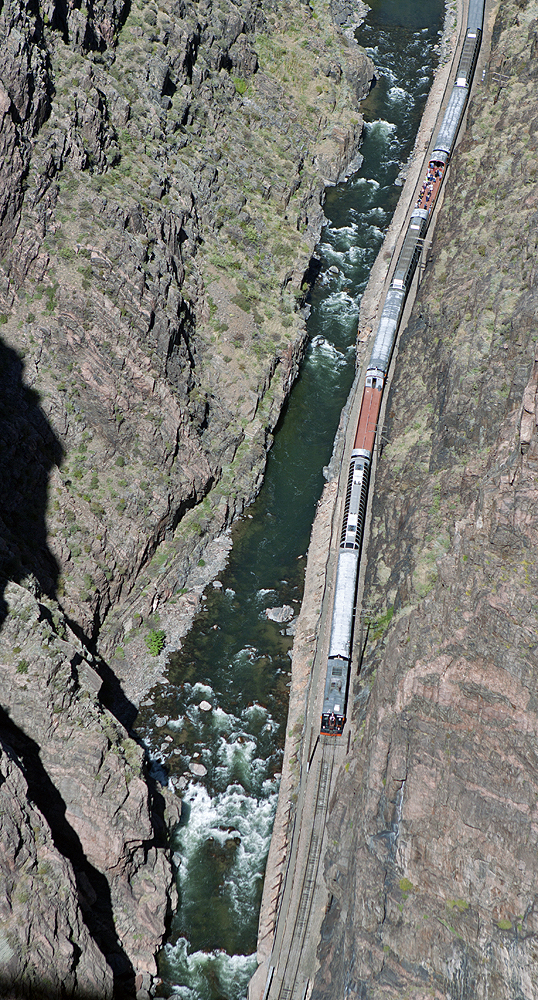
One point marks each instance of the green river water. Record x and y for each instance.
(235, 658)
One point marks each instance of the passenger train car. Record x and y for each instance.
(333, 716)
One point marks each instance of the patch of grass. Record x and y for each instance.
(457, 904)
(450, 928)
(241, 301)
(240, 84)
(406, 887)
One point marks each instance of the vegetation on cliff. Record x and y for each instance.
(156, 239)
(162, 168)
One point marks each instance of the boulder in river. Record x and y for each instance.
(280, 615)
(198, 769)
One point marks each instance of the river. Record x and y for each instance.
(235, 659)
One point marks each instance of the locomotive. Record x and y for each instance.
(337, 678)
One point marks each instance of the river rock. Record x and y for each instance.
(204, 706)
(280, 615)
(198, 769)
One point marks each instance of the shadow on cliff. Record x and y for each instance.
(28, 451)
(97, 913)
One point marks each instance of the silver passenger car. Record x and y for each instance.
(386, 331)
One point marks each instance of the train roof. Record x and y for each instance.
(446, 136)
(386, 331)
(475, 17)
(344, 603)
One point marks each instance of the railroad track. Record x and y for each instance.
(289, 984)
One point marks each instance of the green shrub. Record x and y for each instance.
(457, 904)
(241, 301)
(406, 886)
(155, 641)
(380, 623)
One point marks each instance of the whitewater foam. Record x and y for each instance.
(202, 969)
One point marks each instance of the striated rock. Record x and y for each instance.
(152, 284)
(432, 853)
(24, 104)
(244, 60)
(86, 783)
(62, 941)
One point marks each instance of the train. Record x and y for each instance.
(337, 678)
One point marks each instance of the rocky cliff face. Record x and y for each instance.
(435, 882)
(163, 173)
(86, 888)
(162, 169)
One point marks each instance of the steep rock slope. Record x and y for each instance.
(433, 827)
(163, 174)
(162, 168)
(86, 885)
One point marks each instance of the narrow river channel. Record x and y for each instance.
(235, 659)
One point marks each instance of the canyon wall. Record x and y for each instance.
(162, 169)
(433, 830)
